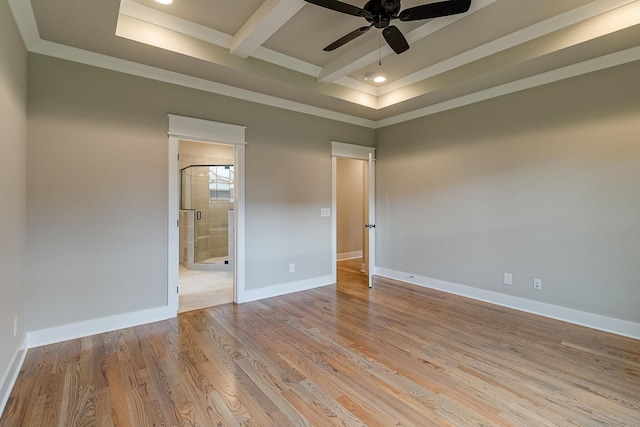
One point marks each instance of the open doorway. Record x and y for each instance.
(204, 131)
(356, 163)
(206, 232)
(351, 217)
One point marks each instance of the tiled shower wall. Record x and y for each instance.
(208, 236)
(213, 231)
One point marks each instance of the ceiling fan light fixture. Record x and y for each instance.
(368, 76)
(164, 1)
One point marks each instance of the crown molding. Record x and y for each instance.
(133, 68)
(596, 64)
(25, 20)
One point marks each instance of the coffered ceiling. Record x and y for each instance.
(271, 51)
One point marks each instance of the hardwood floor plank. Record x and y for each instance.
(160, 390)
(365, 412)
(343, 355)
(33, 415)
(274, 394)
(103, 408)
(117, 396)
(219, 406)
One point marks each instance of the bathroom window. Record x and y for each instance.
(221, 183)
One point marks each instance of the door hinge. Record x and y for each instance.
(176, 289)
(177, 223)
(369, 226)
(178, 156)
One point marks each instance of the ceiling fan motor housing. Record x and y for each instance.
(391, 6)
(380, 12)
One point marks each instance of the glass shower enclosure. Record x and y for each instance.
(206, 217)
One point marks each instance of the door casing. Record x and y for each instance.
(360, 152)
(198, 130)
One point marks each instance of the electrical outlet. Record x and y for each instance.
(537, 284)
(508, 279)
(15, 326)
(292, 267)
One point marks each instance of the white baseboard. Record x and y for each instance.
(349, 255)
(97, 326)
(11, 375)
(285, 288)
(582, 318)
(126, 320)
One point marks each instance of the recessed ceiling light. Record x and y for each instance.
(368, 76)
(164, 1)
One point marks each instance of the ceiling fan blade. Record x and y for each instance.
(435, 10)
(346, 39)
(396, 40)
(339, 6)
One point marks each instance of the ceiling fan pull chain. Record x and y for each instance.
(379, 47)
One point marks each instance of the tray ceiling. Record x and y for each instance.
(271, 51)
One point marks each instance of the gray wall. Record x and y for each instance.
(350, 204)
(97, 189)
(13, 182)
(542, 183)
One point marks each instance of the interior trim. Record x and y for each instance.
(286, 288)
(25, 20)
(577, 317)
(592, 65)
(205, 130)
(516, 38)
(199, 130)
(133, 68)
(352, 151)
(100, 325)
(11, 375)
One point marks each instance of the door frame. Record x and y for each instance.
(198, 130)
(359, 152)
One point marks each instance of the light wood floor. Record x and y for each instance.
(395, 355)
(200, 289)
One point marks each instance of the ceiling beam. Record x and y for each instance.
(625, 16)
(269, 17)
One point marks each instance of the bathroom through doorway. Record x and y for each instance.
(206, 231)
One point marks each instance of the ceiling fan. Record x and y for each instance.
(380, 13)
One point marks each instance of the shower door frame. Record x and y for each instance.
(198, 130)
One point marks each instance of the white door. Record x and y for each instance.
(370, 225)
